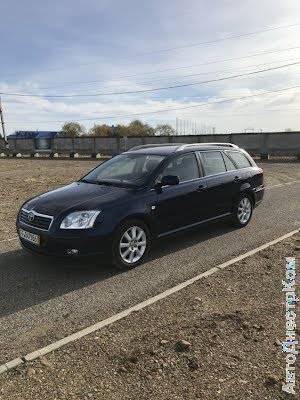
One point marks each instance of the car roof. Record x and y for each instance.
(167, 149)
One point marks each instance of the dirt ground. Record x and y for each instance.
(21, 179)
(233, 322)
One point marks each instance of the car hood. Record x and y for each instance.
(79, 196)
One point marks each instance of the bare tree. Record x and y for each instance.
(138, 128)
(101, 130)
(164, 130)
(71, 129)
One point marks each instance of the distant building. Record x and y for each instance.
(34, 135)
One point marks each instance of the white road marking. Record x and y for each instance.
(90, 329)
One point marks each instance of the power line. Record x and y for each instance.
(148, 90)
(224, 114)
(117, 78)
(177, 47)
(219, 71)
(187, 97)
(248, 114)
(190, 97)
(168, 78)
(168, 109)
(221, 39)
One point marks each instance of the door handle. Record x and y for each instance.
(201, 188)
(237, 179)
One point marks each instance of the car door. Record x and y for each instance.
(177, 206)
(218, 182)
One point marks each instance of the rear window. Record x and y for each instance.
(239, 159)
(212, 162)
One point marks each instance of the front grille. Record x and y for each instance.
(39, 221)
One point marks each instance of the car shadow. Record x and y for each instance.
(186, 239)
(27, 280)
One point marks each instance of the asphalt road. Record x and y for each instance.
(42, 300)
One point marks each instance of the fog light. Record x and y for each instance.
(72, 252)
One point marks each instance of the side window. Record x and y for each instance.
(185, 167)
(239, 159)
(213, 162)
(229, 164)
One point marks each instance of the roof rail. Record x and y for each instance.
(146, 146)
(184, 146)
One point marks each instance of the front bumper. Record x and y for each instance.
(87, 243)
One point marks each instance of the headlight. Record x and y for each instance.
(80, 220)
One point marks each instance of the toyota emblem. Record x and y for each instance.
(30, 217)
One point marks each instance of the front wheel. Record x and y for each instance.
(131, 244)
(243, 211)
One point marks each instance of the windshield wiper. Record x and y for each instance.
(107, 183)
(87, 181)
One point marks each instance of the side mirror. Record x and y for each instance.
(169, 180)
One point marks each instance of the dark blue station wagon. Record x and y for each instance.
(146, 193)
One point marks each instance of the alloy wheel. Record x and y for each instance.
(244, 210)
(133, 244)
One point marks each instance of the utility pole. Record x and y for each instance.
(2, 123)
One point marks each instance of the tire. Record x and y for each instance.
(131, 244)
(242, 211)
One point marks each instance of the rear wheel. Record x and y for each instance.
(131, 244)
(243, 211)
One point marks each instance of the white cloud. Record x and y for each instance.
(113, 52)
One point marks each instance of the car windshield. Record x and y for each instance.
(128, 170)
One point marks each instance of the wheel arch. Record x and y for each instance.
(250, 193)
(143, 218)
(246, 189)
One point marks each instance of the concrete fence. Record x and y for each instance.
(263, 144)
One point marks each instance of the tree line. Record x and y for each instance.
(134, 128)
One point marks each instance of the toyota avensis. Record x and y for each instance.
(146, 193)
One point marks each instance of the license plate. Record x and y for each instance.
(30, 237)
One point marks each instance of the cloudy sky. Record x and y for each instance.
(95, 50)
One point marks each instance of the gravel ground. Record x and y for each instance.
(22, 179)
(233, 322)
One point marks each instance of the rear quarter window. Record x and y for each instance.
(229, 164)
(240, 160)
